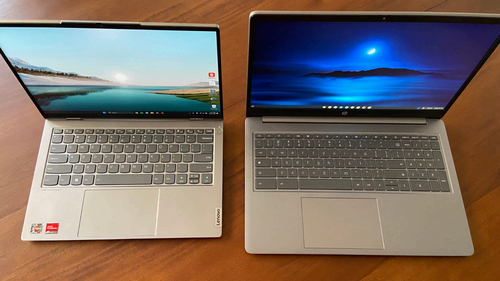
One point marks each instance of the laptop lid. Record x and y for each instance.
(364, 64)
(116, 70)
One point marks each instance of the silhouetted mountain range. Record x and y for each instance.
(392, 72)
(22, 66)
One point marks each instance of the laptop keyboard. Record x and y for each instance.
(364, 162)
(117, 157)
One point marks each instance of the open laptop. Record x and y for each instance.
(132, 143)
(345, 149)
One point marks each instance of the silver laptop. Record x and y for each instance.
(345, 149)
(132, 143)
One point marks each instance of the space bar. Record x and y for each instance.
(325, 184)
(122, 179)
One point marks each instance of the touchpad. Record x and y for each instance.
(341, 223)
(119, 213)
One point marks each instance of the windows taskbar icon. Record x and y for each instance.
(214, 107)
(345, 107)
(149, 112)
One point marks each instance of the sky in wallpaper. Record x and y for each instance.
(111, 70)
(376, 64)
(139, 57)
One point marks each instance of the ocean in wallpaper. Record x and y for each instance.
(297, 90)
(116, 98)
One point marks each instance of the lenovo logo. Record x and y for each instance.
(218, 217)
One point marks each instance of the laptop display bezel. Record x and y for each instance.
(121, 25)
(359, 17)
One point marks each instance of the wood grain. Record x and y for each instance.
(472, 123)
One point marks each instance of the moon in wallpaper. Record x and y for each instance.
(372, 51)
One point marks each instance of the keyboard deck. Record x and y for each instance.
(117, 157)
(363, 162)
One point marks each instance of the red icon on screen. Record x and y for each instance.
(211, 74)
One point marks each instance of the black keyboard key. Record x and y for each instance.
(205, 138)
(158, 179)
(443, 179)
(394, 144)
(76, 180)
(123, 138)
(420, 186)
(128, 179)
(396, 164)
(64, 180)
(325, 184)
(148, 168)
(204, 157)
(78, 169)
(265, 184)
(200, 168)
(395, 174)
(206, 178)
(58, 148)
(435, 186)
(113, 138)
(404, 185)
(438, 159)
(169, 179)
(57, 138)
(368, 185)
(90, 168)
(265, 172)
(91, 138)
(435, 145)
(263, 163)
(58, 169)
(50, 180)
(288, 184)
(102, 168)
(445, 187)
(88, 179)
(170, 168)
(379, 185)
(357, 184)
(57, 158)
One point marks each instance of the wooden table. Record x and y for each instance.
(473, 126)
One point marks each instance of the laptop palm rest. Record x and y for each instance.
(119, 213)
(341, 223)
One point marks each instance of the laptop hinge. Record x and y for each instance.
(340, 120)
(195, 119)
(73, 118)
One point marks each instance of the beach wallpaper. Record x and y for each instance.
(116, 70)
(379, 64)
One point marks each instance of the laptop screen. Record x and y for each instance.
(362, 67)
(117, 72)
